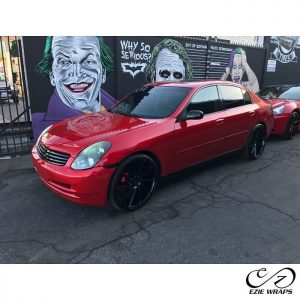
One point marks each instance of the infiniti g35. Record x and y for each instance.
(119, 155)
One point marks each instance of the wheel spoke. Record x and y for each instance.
(147, 171)
(132, 198)
(140, 195)
(125, 196)
(123, 187)
(141, 167)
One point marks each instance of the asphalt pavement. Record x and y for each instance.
(228, 211)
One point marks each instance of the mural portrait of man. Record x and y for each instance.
(169, 62)
(77, 67)
(239, 71)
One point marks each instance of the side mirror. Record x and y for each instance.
(194, 115)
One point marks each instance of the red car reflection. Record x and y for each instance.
(120, 154)
(285, 100)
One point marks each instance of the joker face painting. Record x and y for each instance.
(169, 62)
(77, 72)
(237, 70)
(169, 67)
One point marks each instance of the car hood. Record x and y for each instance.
(278, 102)
(74, 134)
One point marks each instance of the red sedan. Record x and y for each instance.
(120, 154)
(286, 108)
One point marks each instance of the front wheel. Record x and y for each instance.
(292, 126)
(134, 182)
(256, 142)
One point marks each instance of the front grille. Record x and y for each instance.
(51, 156)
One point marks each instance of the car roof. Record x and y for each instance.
(281, 86)
(192, 84)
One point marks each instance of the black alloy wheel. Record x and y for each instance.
(257, 142)
(134, 182)
(293, 126)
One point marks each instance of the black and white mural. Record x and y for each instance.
(282, 65)
(285, 48)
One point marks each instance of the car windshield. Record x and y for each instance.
(292, 93)
(153, 102)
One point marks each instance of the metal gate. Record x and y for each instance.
(15, 123)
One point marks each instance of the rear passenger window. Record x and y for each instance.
(207, 100)
(247, 98)
(232, 96)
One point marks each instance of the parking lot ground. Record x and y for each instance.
(229, 211)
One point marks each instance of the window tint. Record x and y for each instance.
(247, 98)
(206, 100)
(152, 102)
(232, 96)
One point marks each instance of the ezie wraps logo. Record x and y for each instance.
(261, 282)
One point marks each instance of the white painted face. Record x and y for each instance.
(77, 72)
(237, 69)
(169, 67)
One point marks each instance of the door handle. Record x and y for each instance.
(252, 113)
(220, 121)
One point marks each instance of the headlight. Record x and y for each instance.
(88, 158)
(43, 132)
(278, 110)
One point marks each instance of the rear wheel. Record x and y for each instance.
(134, 182)
(292, 126)
(256, 142)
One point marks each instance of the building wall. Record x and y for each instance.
(136, 62)
(252, 40)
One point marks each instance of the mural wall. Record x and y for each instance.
(282, 66)
(71, 76)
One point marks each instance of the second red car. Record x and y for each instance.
(286, 108)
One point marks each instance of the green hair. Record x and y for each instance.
(44, 67)
(174, 47)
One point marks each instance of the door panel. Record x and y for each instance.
(199, 140)
(240, 115)
(239, 122)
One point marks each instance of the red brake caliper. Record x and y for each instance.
(124, 178)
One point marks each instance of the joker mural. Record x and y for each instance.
(76, 66)
(169, 62)
(239, 71)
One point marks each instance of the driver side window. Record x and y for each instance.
(207, 100)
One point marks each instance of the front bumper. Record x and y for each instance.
(280, 124)
(88, 187)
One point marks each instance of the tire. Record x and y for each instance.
(133, 182)
(292, 126)
(256, 142)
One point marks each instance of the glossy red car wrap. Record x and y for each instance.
(171, 143)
